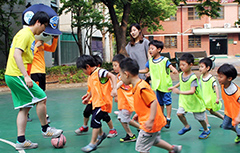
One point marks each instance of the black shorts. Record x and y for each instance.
(97, 116)
(40, 79)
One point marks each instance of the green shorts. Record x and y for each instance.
(22, 95)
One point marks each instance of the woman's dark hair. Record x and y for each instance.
(207, 61)
(189, 58)
(129, 65)
(228, 70)
(85, 60)
(132, 42)
(41, 16)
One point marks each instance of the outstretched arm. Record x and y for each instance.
(153, 111)
(51, 48)
(146, 70)
(113, 79)
(173, 69)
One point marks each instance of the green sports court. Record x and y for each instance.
(65, 110)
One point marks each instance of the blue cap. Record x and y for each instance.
(52, 28)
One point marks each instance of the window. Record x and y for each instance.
(221, 13)
(194, 41)
(172, 18)
(170, 41)
(238, 12)
(192, 14)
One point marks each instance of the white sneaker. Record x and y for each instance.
(52, 132)
(27, 144)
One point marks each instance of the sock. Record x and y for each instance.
(112, 128)
(168, 118)
(44, 127)
(84, 126)
(21, 139)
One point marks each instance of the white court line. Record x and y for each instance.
(12, 144)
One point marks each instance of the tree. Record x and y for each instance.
(84, 15)
(6, 16)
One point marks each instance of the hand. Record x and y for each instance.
(147, 74)
(176, 90)
(28, 81)
(135, 117)
(149, 124)
(175, 71)
(39, 43)
(85, 98)
(114, 93)
(217, 101)
(116, 99)
(237, 120)
(170, 88)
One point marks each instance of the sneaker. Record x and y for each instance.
(48, 119)
(201, 128)
(128, 138)
(116, 112)
(101, 138)
(89, 148)
(204, 134)
(112, 133)
(168, 123)
(237, 140)
(52, 132)
(176, 149)
(81, 130)
(184, 130)
(27, 144)
(29, 119)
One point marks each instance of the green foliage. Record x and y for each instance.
(107, 66)
(2, 73)
(209, 8)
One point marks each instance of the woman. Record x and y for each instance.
(137, 48)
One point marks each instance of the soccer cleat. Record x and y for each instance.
(184, 130)
(81, 130)
(27, 144)
(204, 134)
(168, 123)
(128, 138)
(176, 149)
(52, 133)
(237, 140)
(112, 133)
(89, 148)
(101, 138)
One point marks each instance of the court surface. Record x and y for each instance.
(65, 110)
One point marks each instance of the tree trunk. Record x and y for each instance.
(103, 46)
(111, 48)
(79, 36)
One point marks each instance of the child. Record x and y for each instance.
(209, 89)
(38, 72)
(159, 68)
(101, 97)
(88, 110)
(190, 98)
(148, 111)
(125, 102)
(231, 98)
(25, 92)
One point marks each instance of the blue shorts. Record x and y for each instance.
(227, 124)
(164, 98)
(97, 116)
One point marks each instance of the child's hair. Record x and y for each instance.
(85, 60)
(118, 58)
(207, 61)
(98, 60)
(189, 58)
(132, 42)
(156, 43)
(129, 65)
(41, 16)
(228, 70)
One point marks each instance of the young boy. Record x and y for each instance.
(88, 110)
(231, 97)
(26, 92)
(148, 111)
(209, 89)
(159, 68)
(101, 97)
(125, 102)
(190, 97)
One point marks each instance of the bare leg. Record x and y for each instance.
(85, 121)
(110, 124)
(127, 129)
(134, 124)
(206, 118)
(95, 132)
(183, 120)
(165, 145)
(169, 111)
(42, 111)
(204, 125)
(216, 114)
(22, 121)
(162, 107)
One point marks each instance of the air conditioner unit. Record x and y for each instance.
(207, 25)
(227, 25)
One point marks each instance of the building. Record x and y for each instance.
(187, 32)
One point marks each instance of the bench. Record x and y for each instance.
(172, 60)
(198, 55)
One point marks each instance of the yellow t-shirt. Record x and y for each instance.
(25, 41)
